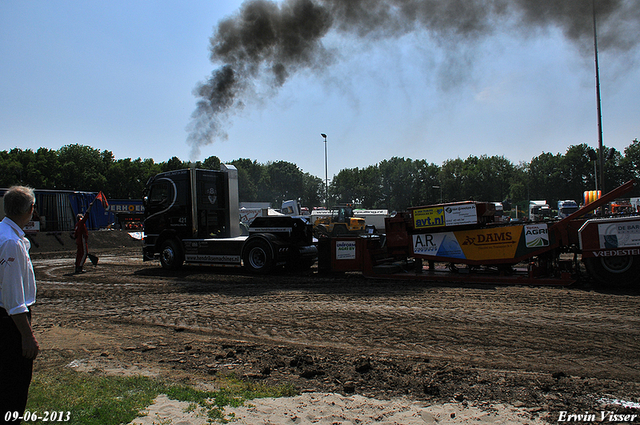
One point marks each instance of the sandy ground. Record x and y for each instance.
(336, 409)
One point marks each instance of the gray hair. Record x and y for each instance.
(18, 200)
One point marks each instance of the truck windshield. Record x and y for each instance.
(568, 210)
(159, 193)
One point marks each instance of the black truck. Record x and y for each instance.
(192, 216)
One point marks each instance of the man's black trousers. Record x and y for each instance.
(15, 370)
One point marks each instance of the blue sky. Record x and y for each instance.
(119, 76)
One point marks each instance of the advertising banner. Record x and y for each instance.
(457, 215)
(345, 250)
(437, 244)
(425, 218)
(445, 215)
(490, 244)
(536, 235)
(478, 244)
(619, 235)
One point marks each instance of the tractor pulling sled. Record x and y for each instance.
(463, 242)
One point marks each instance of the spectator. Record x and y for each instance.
(18, 345)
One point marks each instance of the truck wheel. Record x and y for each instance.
(320, 231)
(171, 256)
(618, 271)
(340, 230)
(257, 257)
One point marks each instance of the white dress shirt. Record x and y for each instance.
(17, 279)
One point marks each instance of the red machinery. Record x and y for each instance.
(460, 241)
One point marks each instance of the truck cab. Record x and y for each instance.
(539, 211)
(193, 216)
(566, 208)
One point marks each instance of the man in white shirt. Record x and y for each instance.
(18, 345)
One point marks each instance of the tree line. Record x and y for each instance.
(393, 184)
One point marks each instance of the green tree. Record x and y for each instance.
(83, 168)
(518, 194)
(44, 171)
(578, 173)
(128, 178)
(545, 177)
(370, 179)
(396, 178)
(630, 165)
(174, 163)
(395, 184)
(453, 179)
(345, 187)
(251, 177)
(285, 182)
(425, 188)
(312, 191)
(212, 163)
(614, 174)
(12, 169)
(494, 175)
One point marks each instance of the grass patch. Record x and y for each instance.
(110, 400)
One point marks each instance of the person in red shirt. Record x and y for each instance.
(81, 235)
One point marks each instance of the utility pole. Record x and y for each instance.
(326, 175)
(600, 148)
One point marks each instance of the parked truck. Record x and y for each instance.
(539, 210)
(462, 241)
(192, 216)
(567, 207)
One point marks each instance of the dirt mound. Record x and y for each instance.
(51, 242)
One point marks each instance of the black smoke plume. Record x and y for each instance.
(265, 42)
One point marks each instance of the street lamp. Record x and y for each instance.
(326, 175)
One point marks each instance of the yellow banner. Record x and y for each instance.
(490, 244)
(424, 218)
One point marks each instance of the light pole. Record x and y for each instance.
(326, 175)
(600, 149)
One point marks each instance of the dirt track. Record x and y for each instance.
(549, 349)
